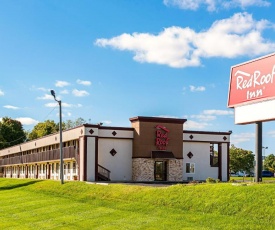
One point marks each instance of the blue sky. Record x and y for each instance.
(109, 60)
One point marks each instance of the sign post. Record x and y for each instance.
(258, 152)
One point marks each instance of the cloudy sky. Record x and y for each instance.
(111, 60)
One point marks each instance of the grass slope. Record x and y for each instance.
(34, 204)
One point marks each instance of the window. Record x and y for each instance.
(190, 167)
(214, 155)
(57, 167)
(74, 167)
(52, 167)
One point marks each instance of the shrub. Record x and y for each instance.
(210, 180)
(193, 182)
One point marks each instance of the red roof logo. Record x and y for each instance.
(162, 137)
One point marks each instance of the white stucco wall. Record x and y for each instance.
(118, 133)
(201, 158)
(207, 136)
(120, 164)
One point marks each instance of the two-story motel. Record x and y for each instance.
(153, 149)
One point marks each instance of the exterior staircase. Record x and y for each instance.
(103, 174)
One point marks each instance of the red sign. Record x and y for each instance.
(162, 137)
(252, 81)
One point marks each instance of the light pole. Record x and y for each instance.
(60, 137)
(264, 148)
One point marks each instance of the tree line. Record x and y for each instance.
(243, 160)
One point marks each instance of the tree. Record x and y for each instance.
(11, 133)
(240, 159)
(42, 129)
(71, 124)
(269, 163)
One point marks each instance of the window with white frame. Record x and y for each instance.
(190, 167)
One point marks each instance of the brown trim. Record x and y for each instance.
(220, 162)
(158, 119)
(96, 158)
(217, 142)
(85, 143)
(207, 132)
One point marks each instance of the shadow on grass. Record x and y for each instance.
(23, 184)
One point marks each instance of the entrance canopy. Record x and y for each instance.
(163, 154)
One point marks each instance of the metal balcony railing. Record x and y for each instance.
(68, 152)
(104, 172)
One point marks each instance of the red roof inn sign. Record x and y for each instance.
(162, 137)
(252, 90)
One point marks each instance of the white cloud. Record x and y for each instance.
(46, 97)
(43, 89)
(1, 93)
(27, 120)
(80, 93)
(190, 4)
(213, 5)
(178, 47)
(33, 87)
(51, 105)
(10, 107)
(106, 122)
(245, 3)
(196, 89)
(64, 91)
(271, 133)
(167, 116)
(65, 105)
(241, 137)
(211, 115)
(80, 82)
(203, 117)
(217, 112)
(189, 124)
(61, 84)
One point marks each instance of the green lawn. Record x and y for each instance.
(34, 204)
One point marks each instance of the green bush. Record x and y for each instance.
(210, 180)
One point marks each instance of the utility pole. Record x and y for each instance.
(60, 138)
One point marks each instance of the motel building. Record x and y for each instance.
(153, 149)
